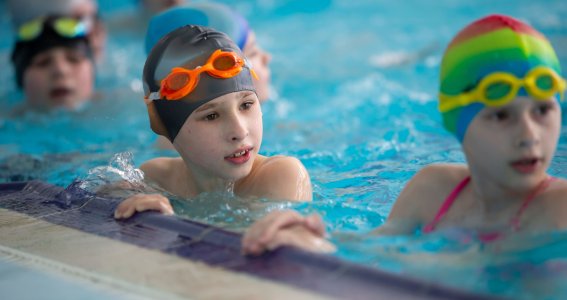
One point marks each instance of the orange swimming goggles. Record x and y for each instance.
(181, 82)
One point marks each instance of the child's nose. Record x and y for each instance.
(237, 129)
(60, 66)
(528, 133)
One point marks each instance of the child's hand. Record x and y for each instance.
(143, 202)
(286, 228)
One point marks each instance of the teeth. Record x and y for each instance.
(239, 154)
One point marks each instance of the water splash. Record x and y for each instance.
(229, 189)
(121, 170)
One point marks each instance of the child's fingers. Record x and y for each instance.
(256, 229)
(263, 231)
(279, 220)
(142, 202)
(302, 238)
(315, 223)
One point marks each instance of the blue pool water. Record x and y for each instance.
(355, 85)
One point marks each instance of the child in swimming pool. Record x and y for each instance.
(500, 80)
(53, 62)
(223, 19)
(200, 96)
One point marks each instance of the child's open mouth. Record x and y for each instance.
(239, 157)
(59, 93)
(526, 165)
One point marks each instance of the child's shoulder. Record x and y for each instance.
(426, 191)
(441, 173)
(555, 200)
(281, 163)
(278, 177)
(161, 168)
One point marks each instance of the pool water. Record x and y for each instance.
(355, 84)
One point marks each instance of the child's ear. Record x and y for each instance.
(155, 121)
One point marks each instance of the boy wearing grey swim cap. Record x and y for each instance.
(200, 95)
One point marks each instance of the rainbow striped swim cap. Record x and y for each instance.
(495, 43)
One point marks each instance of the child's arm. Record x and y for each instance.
(283, 177)
(286, 228)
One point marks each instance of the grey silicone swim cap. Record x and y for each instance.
(188, 47)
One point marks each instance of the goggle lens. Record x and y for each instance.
(177, 81)
(545, 83)
(68, 27)
(497, 91)
(224, 63)
(30, 30)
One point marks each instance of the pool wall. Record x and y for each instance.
(165, 254)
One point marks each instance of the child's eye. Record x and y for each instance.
(247, 105)
(75, 57)
(499, 116)
(41, 61)
(543, 109)
(211, 117)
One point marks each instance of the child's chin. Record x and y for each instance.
(70, 103)
(528, 182)
(240, 173)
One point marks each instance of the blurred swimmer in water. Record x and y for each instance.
(54, 62)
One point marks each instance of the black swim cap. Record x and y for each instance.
(188, 47)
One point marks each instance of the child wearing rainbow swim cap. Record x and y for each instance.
(499, 86)
(200, 95)
(53, 62)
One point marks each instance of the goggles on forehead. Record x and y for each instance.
(499, 88)
(64, 26)
(181, 82)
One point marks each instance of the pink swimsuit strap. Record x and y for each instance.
(515, 222)
(540, 188)
(446, 205)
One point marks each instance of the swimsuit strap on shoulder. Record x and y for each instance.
(540, 188)
(446, 205)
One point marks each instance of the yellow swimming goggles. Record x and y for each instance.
(499, 88)
(64, 26)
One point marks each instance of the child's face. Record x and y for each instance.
(59, 77)
(260, 60)
(513, 145)
(222, 137)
